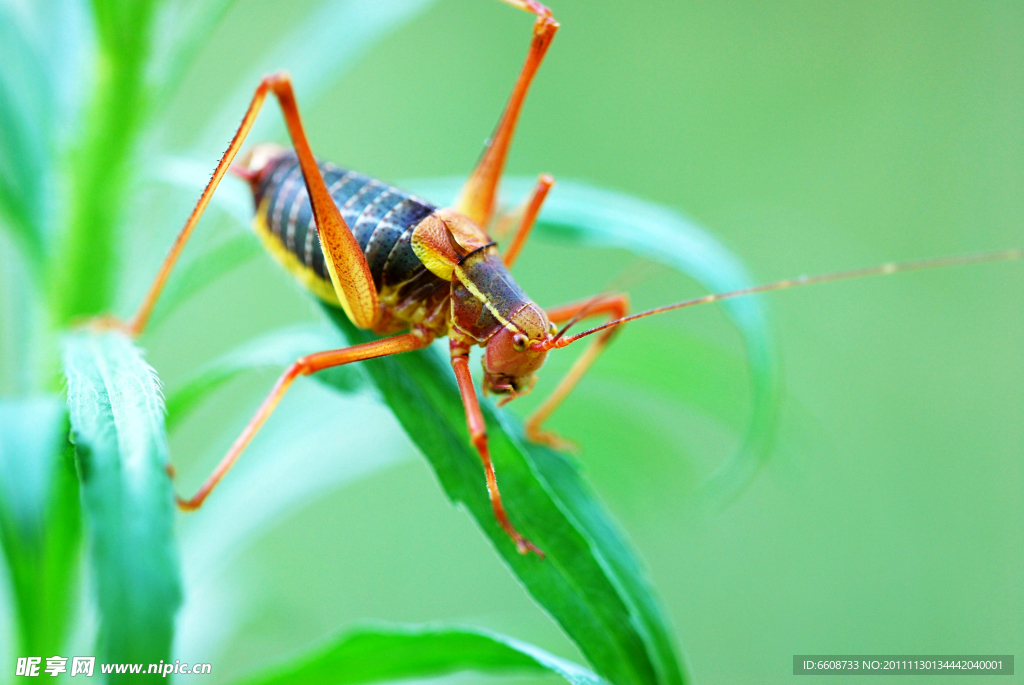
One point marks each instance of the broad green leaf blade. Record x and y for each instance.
(584, 214)
(590, 582)
(390, 653)
(274, 350)
(585, 508)
(40, 522)
(117, 426)
(315, 54)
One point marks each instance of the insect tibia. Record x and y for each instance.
(1010, 255)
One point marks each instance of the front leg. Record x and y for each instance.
(613, 306)
(478, 436)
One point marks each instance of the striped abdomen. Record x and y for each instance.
(381, 217)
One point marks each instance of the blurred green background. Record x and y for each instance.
(807, 137)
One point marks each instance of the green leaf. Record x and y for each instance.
(25, 118)
(40, 525)
(590, 581)
(581, 213)
(376, 654)
(274, 350)
(44, 53)
(117, 417)
(315, 54)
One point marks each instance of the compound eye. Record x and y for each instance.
(553, 328)
(519, 342)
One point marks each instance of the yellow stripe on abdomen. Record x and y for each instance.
(309, 279)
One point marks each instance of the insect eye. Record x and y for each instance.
(519, 342)
(553, 328)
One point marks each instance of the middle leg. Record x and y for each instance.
(527, 217)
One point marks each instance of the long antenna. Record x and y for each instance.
(880, 270)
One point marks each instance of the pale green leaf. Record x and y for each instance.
(117, 422)
(378, 654)
(39, 518)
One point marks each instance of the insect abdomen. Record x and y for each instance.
(381, 217)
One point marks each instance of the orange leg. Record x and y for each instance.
(527, 218)
(478, 435)
(347, 265)
(305, 366)
(615, 307)
(478, 196)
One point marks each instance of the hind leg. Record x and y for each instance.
(479, 195)
(305, 366)
(349, 271)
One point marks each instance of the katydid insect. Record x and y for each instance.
(406, 269)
